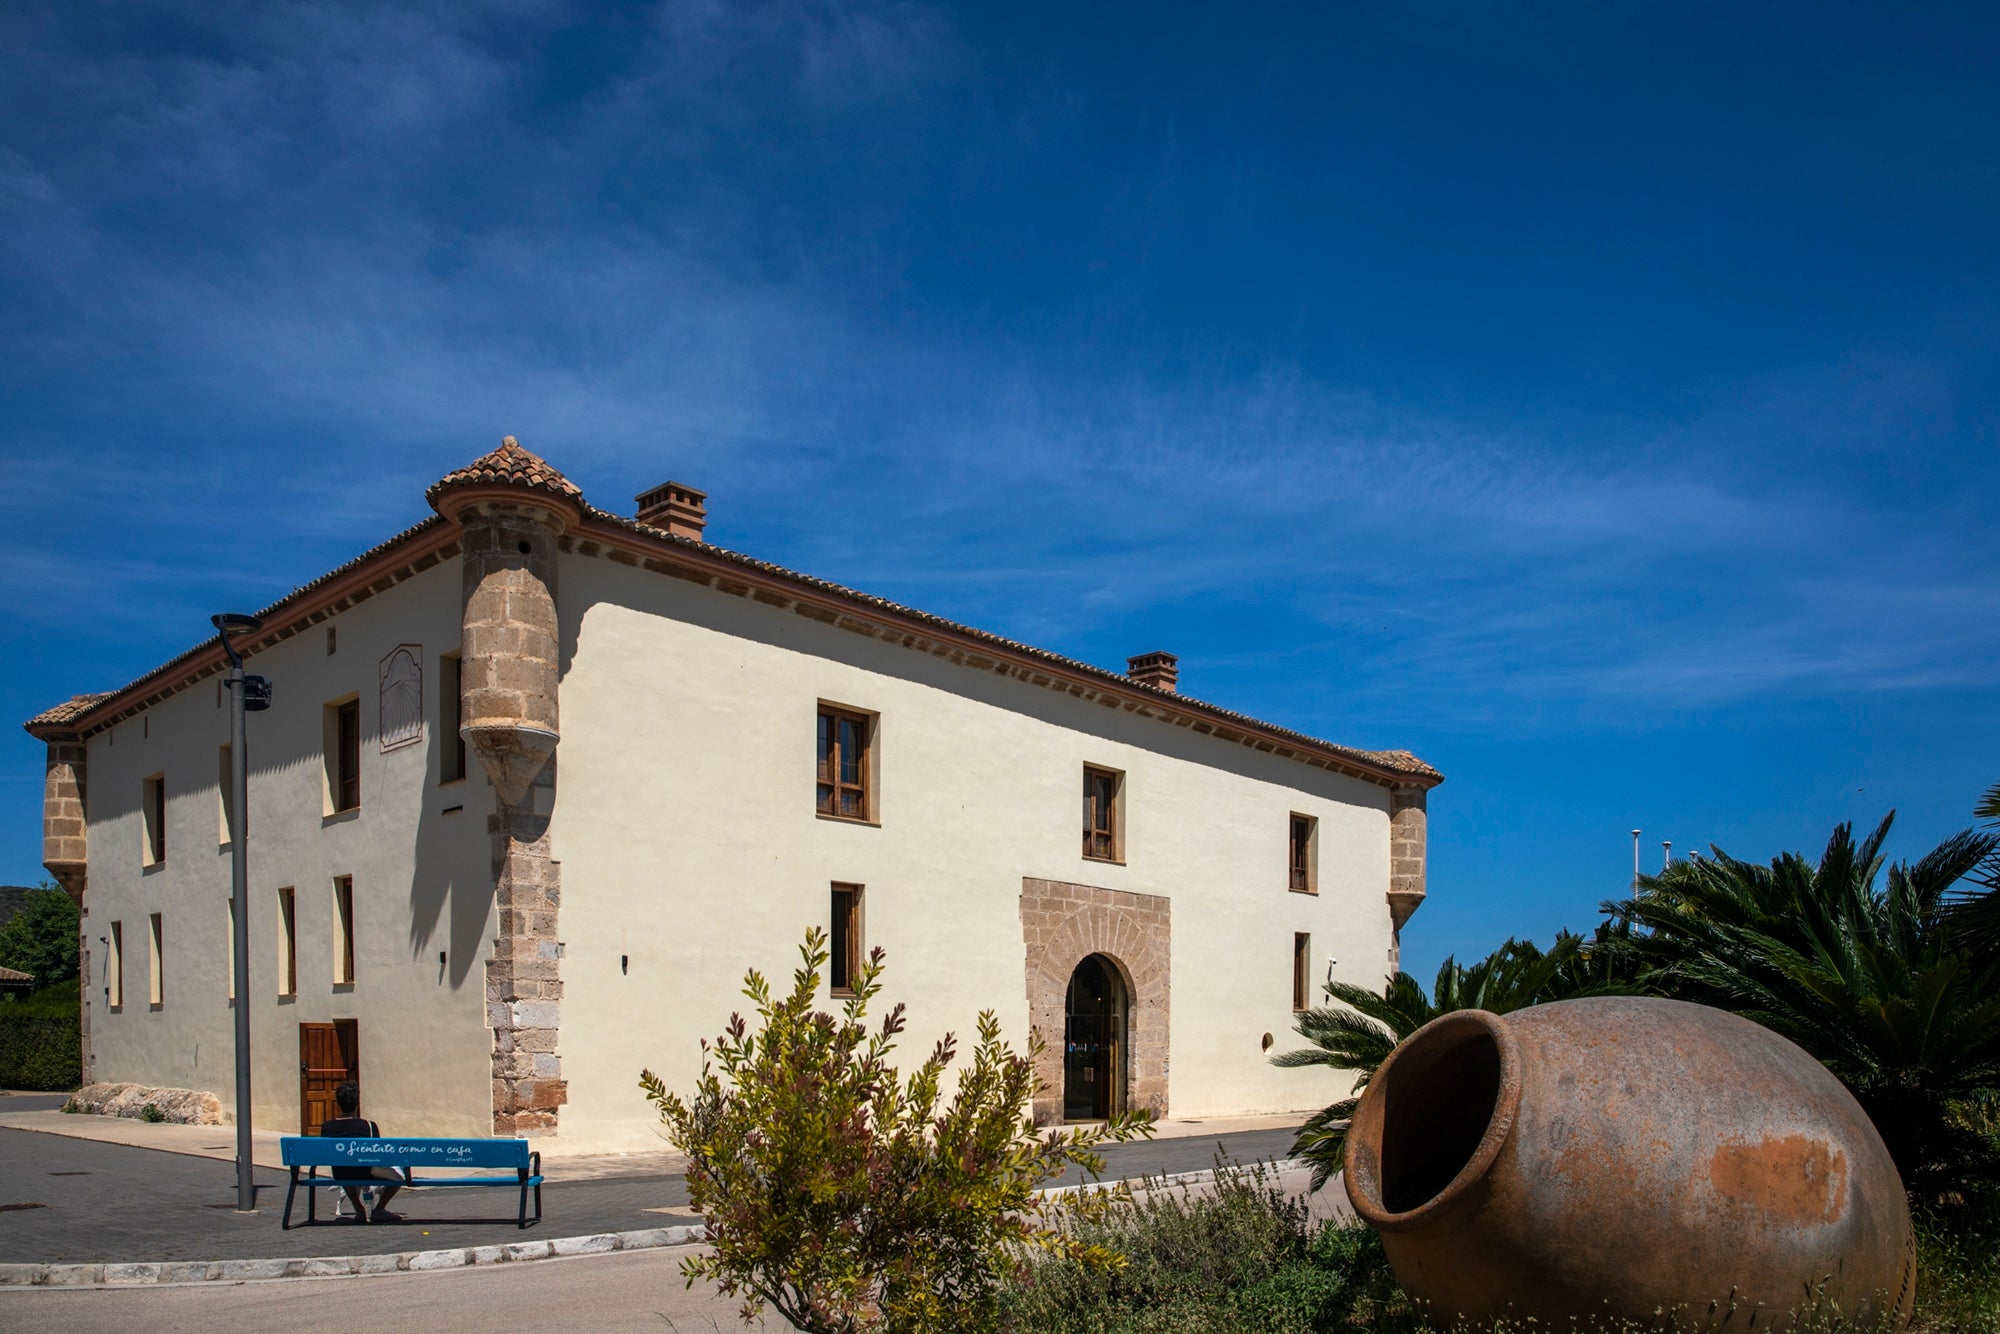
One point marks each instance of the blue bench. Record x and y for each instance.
(312, 1153)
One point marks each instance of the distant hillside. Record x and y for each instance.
(13, 898)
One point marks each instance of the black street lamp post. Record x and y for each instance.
(246, 694)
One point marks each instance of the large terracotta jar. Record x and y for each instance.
(1627, 1157)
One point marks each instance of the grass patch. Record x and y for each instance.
(1958, 1274)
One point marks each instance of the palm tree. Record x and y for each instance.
(1361, 1036)
(1870, 979)
(1973, 914)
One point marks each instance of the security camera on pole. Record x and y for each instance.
(246, 694)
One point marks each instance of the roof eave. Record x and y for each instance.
(718, 564)
(417, 548)
(407, 553)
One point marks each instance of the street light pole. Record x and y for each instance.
(239, 881)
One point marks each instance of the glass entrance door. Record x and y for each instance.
(1094, 1042)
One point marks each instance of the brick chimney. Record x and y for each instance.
(680, 509)
(1162, 671)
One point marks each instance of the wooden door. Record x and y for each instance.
(329, 1056)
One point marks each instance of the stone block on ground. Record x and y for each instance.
(186, 1107)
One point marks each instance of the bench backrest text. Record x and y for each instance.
(313, 1151)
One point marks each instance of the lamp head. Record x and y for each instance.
(235, 623)
(229, 623)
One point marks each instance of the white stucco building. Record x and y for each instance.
(540, 781)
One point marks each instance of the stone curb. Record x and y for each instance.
(1195, 1178)
(337, 1266)
(411, 1262)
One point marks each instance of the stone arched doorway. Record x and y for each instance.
(1096, 1017)
(1064, 925)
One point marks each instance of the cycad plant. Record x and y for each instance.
(1972, 908)
(1859, 963)
(1360, 1031)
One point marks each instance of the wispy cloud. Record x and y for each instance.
(351, 245)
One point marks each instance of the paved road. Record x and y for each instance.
(33, 1102)
(80, 1201)
(636, 1290)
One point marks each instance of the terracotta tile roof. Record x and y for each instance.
(509, 465)
(69, 710)
(1396, 761)
(272, 616)
(513, 465)
(15, 975)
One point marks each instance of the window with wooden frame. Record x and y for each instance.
(157, 958)
(343, 756)
(1302, 948)
(154, 813)
(844, 961)
(288, 942)
(846, 741)
(114, 967)
(451, 716)
(1103, 818)
(343, 931)
(1304, 854)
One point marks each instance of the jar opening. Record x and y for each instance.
(1437, 1102)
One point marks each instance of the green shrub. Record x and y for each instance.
(1240, 1255)
(1244, 1256)
(41, 1039)
(58, 1000)
(850, 1199)
(41, 939)
(151, 1112)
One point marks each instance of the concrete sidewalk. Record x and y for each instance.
(219, 1142)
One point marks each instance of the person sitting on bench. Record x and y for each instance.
(349, 1126)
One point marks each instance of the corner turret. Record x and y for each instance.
(511, 507)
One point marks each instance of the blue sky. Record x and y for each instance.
(1599, 400)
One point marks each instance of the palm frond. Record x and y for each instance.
(1880, 976)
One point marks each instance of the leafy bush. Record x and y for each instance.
(152, 1113)
(1240, 1255)
(41, 939)
(851, 1200)
(41, 1039)
(63, 1000)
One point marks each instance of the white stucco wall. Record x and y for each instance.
(686, 829)
(421, 884)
